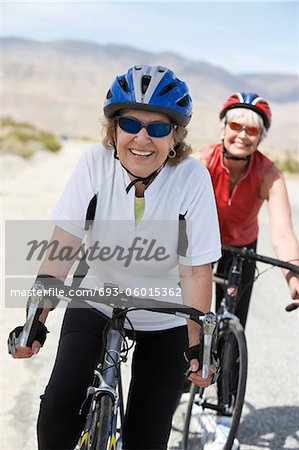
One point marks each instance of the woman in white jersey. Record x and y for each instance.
(144, 185)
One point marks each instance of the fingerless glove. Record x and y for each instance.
(40, 335)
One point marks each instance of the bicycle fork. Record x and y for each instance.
(107, 382)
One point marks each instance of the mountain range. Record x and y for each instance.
(60, 86)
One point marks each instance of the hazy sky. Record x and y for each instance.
(237, 36)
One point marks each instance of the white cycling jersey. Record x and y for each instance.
(143, 258)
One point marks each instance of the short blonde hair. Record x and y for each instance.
(244, 115)
(181, 148)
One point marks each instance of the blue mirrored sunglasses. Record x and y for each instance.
(154, 129)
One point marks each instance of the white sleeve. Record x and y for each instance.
(202, 227)
(69, 212)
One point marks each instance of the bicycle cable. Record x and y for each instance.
(126, 347)
(257, 274)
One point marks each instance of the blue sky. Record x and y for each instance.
(241, 37)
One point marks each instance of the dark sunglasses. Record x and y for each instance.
(238, 127)
(154, 129)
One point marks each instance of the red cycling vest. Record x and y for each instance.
(238, 211)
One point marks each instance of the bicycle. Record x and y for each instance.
(204, 403)
(104, 420)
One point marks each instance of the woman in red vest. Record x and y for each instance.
(242, 179)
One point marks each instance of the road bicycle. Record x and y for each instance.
(205, 405)
(104, 420)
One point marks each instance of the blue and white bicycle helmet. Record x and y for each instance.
(151, 88)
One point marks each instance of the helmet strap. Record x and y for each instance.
(145, 180)
(228, 155)
(115, 152)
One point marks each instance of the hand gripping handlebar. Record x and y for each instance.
(34, 308)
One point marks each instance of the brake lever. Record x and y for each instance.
(33, 305)
(208, 326)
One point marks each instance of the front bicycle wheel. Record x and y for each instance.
(233, 376)
(206, 405)
(104, 437)
(193, 431)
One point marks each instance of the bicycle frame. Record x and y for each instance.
(107, 381)
(231, 285)
(243, 253)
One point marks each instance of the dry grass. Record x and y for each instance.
(24, 139)
(285, 159)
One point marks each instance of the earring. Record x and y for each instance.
(172, 153)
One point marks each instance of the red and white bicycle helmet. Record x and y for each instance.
(251, 101)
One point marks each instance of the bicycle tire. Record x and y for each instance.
(103, 438)
(202, 400)
(194, 390)
(233, 329)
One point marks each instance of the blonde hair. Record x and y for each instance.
(246, 115)
(181, 148)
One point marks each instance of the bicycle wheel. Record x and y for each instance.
(104, 437)
(204, 405)
(99, 434)
(201, 417)
(99, 431)
(231, 392)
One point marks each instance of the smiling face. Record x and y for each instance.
(140, 153)
(241, 142)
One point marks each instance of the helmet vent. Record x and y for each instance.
(167, 88)
(145, 82)
(109, 94)
(183, 101)
(124, 85)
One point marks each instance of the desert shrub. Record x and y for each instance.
(15, 147)
(50, 142)
(289, 164)
(25, 139)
